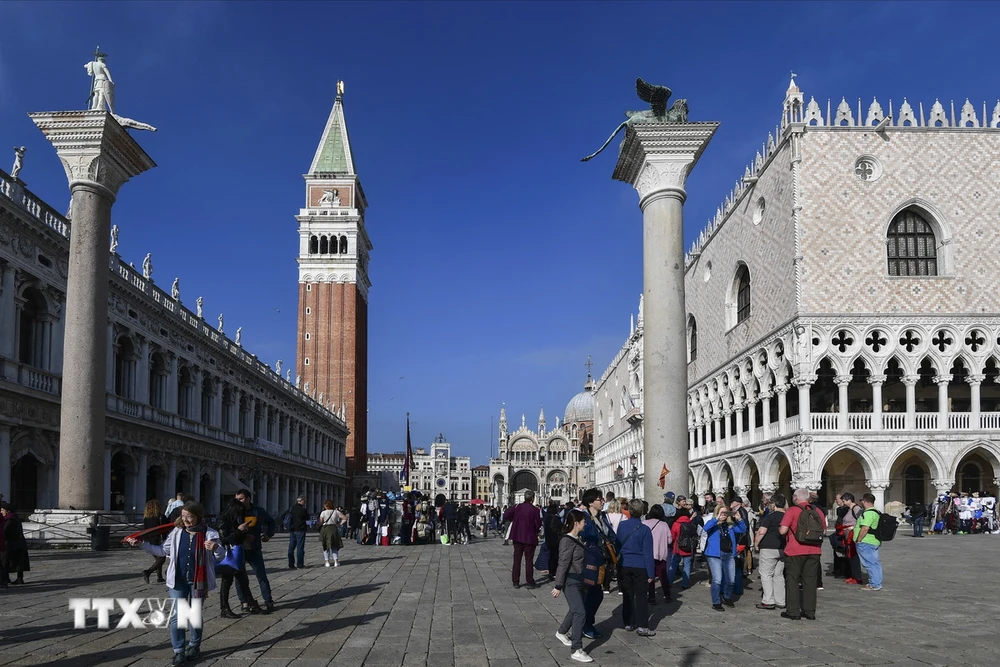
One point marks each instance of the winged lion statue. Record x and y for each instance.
(657, 97)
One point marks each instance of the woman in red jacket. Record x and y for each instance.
(684, 536)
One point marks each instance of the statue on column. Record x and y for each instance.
(102, 92)
(18, 161)
(239, 337)
(175, 289)
(200, 302)
(114, 232)
(147, 266)
(657, 97)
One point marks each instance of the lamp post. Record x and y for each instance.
(633, 476)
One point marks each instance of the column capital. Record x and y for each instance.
(94, 148)
(943, 379)
(768, 488)
(781, 388)
(842, 380)
(943, 485)
(877, 484)
(804, 380)
(876, 380)
(975, 379)
(656, 157)
(910, 380)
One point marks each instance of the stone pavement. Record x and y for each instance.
(439, 606)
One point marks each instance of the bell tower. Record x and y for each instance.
(333, 256)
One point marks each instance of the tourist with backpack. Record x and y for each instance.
(723, 531)
(804, 528)
(684, 534)
(866, 538)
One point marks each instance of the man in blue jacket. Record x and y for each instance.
(261, 530)
(638, 569)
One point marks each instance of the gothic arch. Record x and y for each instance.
(32, 442)
(703, 478)
(938, 223)
(935, 463)
(868, 461)
(741, 469)
(991, 453)
(771, 469)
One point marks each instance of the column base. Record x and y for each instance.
(74, 528)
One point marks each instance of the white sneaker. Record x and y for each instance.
(336, 563)
(564, 639)
(327, 564)
(581, 656)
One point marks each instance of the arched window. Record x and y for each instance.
(34, 330)
(343, 245)
(742, 293)
(313, 245)
(324, 247)
(692, 339)
(911, 248)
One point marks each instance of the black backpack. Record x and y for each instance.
(886, 528)
(687, 538)
(809, 529)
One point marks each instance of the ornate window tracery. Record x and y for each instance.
(911, 247)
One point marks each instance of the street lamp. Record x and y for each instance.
(634, 475)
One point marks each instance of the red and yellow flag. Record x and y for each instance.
(663, 477)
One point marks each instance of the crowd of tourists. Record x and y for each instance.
(601, 541)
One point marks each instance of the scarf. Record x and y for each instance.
(199, 557)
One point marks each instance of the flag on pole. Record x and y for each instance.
(663, 477)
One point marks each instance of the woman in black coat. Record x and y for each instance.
(232, 533)
(15, 558)
(152, 517)
(552, 529)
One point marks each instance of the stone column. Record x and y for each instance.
(910, 381)
(804, 384)
(99, 156)
(782, 390)
(273, 495)
(943, 486)
(8, 313)
(739, 425)
(262, 489)
(656, 158)
(751, 420)
(975, 381)
(107, 480)
(878, 488)
(5, 462)
(217, 491)
(942, 383)
(171, 482)
(876, 381)
(141, 493)
(765, 414)
(842, 382)
(727, 416)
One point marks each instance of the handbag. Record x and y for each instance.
(542, 560)
(234, 561)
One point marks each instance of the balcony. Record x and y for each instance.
(30, 377)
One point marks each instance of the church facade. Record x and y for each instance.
(556, 465)
(334, 250)
(843, 322)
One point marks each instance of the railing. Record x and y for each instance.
(893, 421)
(926, 421)
(38, 209)
(825, 421)
(859, 421)
(791, 424)
(40, 380)
(960, 421)
(989, 420)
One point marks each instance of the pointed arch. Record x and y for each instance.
(935, 462)
(939, 228)
(990, 450)
(871, 466)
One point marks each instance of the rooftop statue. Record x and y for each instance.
(102, 91)
(657, 97)
(18, 161)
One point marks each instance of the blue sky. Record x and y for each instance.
(500, 260)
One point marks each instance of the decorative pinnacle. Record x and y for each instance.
(340, 88)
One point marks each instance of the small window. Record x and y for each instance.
(692, 339)
(309, 310)
(306, 362)
(742, 294)
(308, 336)
(309, 288)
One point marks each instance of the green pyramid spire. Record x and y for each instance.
(333, 156)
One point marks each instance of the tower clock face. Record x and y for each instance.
(441, 483)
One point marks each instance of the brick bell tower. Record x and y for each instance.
(333, 284)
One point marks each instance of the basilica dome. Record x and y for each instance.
(581, 407)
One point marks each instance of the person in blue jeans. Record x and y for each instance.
(918, 514)
(596, 531)
(867, 544)
(262, 528)
(297, 533)
(720, 550)
(193, 549)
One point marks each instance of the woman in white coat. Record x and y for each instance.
(193, 549)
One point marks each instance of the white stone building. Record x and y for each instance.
(188, 409)
(434, 472)
(556, 465)
(844, 321)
